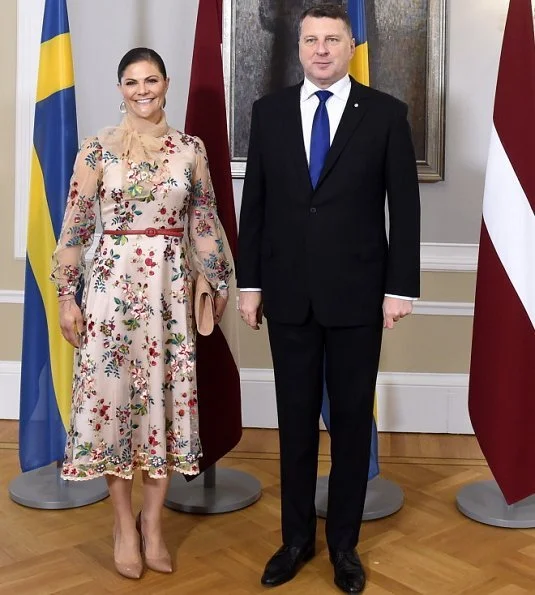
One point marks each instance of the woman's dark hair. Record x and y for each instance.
(140, 55)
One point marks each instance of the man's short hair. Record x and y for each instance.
(329, 11)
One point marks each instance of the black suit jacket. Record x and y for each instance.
(327, 247)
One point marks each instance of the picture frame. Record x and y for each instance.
(407, 48)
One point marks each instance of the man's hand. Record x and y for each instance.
(394, 309)
(250, 307)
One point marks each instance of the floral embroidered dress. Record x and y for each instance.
(134, 402)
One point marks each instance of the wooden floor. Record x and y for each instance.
(427, 547)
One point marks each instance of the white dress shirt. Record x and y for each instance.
(335, 105)
(335, 108)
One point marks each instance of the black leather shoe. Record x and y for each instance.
(348, 572)
(285, 563)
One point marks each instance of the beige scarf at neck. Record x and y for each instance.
(136, 139)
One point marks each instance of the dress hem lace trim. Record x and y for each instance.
(159, 469)
(96, 475)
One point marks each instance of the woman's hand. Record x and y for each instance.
(70, 320)
(220, 303)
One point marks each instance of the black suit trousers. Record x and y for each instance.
(351, 363)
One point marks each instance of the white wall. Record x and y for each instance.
(102, 31)
(451, 210)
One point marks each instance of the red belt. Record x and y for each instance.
(177, 232)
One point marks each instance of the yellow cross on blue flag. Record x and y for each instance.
(46, 357)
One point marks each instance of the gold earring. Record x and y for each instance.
(122, 107)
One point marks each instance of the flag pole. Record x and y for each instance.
(46, 357)
(217, 489)
(502, 384)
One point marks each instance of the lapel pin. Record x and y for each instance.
(355, 105)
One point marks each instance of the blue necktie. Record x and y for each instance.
(320, 139)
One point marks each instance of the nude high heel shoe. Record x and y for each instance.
(161, 564)
(133, 569)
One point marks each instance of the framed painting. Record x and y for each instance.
(406, 44)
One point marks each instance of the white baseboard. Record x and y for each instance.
(429, 403)
(407, 402)
(9, 390)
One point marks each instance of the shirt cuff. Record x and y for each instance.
(401, 297)
(250, 289)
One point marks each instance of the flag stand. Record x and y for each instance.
(213, 492)
(483, 502)
(383, 498)
(44, 488)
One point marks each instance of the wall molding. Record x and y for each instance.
(437, 257)
(421, 307)
(407, 402)
(11, 296)
(426, 308)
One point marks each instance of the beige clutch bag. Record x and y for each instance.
(204, 306)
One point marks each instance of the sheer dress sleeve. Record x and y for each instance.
(78, 229)
(206, 234)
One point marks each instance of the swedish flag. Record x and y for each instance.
(359, 69)
(46, 357)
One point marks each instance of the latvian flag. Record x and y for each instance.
(218, 378)
(502, 374)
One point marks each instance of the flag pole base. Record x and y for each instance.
(213, 492)
(483, 502)
(44, 488)
(383, 498)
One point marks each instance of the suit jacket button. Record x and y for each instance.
(312, 209)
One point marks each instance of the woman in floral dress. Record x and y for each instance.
(134, 401)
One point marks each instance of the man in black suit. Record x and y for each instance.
(314, 256)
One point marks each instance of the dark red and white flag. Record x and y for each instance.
(218, 377)
(502, 372)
